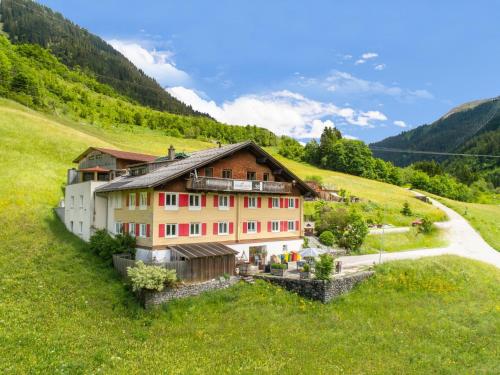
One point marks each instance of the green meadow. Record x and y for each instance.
(62, 310)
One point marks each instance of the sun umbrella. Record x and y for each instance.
(311, 252)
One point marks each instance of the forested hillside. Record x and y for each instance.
(472, 128)
(28, 22)
(32, 76)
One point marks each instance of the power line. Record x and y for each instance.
(386, 149)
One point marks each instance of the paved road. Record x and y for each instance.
(462, 238)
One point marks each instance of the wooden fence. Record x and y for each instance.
(122, 261)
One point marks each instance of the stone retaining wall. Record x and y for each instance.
(320, 290)
(149, 298)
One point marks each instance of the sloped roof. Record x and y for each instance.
(94, 169)
(195, 160)
(202, 250)
(133, 156)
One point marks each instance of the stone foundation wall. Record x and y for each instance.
(320, 290)
(149, 298)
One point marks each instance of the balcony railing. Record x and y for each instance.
(226, 184)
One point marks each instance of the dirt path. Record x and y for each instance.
(462, 238)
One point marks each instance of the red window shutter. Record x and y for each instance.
(161, 199)
(203, 200)
(184, 229)
(136, 229)
(258, 226)
(297, 225)
(283, 226)
(216, 228)
(125, 227)
(231, 201)
(244, 227)
(296, 202)
(204, 229)
(269, 202)
(286, 202)
(161, 230)
(231, 227)
(183, 200)
(216, 200)
(269, 226)
(245, 202)
(149, 198)
(137, 199)
(148, 230)
(259, 202)
(282, 204)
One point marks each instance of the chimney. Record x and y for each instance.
(171, 153)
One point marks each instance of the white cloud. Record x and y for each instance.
(283, 112)
(156, 64)
(346, 83)
(347, 136)
(379, 67)
(359, 62)
(369, 55)
(400, 123)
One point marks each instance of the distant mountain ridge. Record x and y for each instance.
(25, 21)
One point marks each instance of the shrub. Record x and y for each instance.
(125, 243)
(278, 266)
(427, 226)
(352, 233)
(150, 277)
(324, 267)
(305, 243)
(327, 238)
(104, 245)
(406, 211)
(306, 267)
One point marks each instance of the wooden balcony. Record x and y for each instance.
(229, 185)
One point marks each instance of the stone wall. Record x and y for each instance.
(320, 290)
(149, 298)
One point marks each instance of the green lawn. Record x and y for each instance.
(63, 311)
(392, 242)
(485, 218)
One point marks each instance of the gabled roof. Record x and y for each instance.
(197, 159)
(125, 155)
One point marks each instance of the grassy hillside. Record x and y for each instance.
(63, 311)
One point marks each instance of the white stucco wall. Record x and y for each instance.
(273, 247)
(77, 212)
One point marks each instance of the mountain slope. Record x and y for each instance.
(28, 22)
(462, 130)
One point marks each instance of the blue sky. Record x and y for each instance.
(371, 68)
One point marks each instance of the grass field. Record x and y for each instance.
(393, 242)
(63, 311)
(485, 218)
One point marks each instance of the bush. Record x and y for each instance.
(327, 238)
(351, 235)
(125, 243)
(427, 226)
(306, 267)
(305, 243)
(406, 211)
(278, 266)
(104, 245)
(324, 267)
(150, 277)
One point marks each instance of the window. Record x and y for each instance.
(252, 202)
(291, 202)
(223, 202)
(251, 176)
(81, 201)
(265, 176)
(227, 173)
(223, 228)
(131, 229)
(143, 200)
(276, 202)
(194, 202)
(80, 229)
(171, 201)
(118, 200)
(194, 229)
(131, 201)
(170, 230)
(118, 228)
(252, 227)
(209, 172)
(142, 230)
(291, 225)
(71, 226)
(275, 226)
(72, 202)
